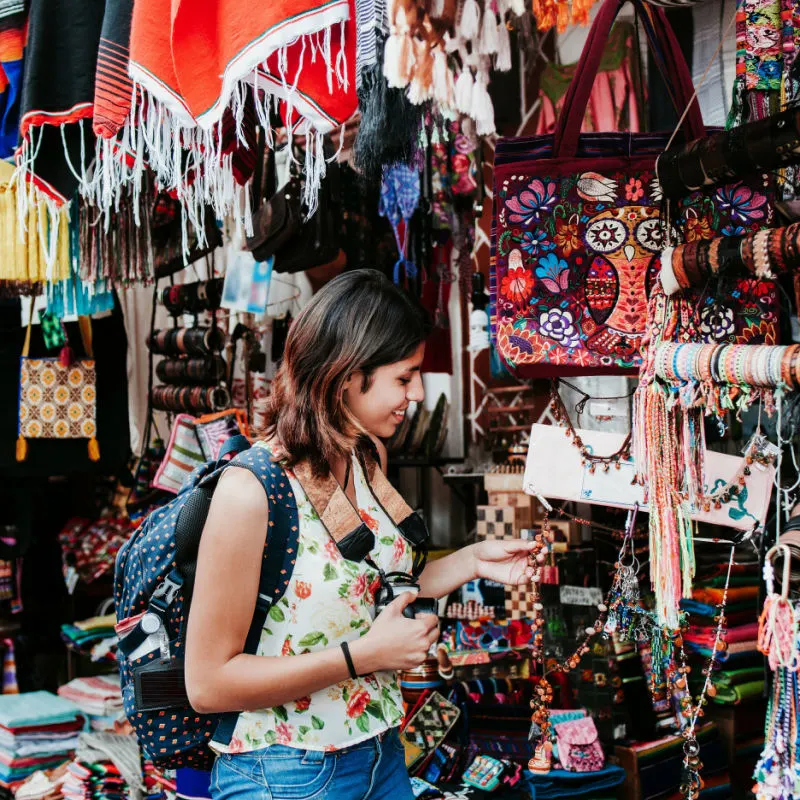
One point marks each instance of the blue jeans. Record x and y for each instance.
(372, 770)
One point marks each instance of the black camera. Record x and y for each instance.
(421, 605)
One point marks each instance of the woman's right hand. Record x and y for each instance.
(395, 642)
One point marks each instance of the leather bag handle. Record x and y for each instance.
(669, 59)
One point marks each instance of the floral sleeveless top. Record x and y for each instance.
(329, 600)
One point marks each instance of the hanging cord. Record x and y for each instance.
(699, 84)
(581, 404)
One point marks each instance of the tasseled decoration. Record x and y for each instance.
(469, 24)
(388, 128)
(66, 357)
(94, 450)
(22, 448)
(443, 91)
(544, 11)
(398, 56)
(562, 16)
(10, 685)
(580, 11)
(502, 61)
(421, 88)
(464, 85)
(487, 45)
(482, 110)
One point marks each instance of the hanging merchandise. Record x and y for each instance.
(595, 467)
(203, 110)
(722, 157)
(778, 770)
(198, 341)
(614, 100)
(399, 199)
(29, 259)
(766, 46)
(57, 396)
(422, 46)
(13, 22)
(764, 254)
(57, 106)
(575, 251)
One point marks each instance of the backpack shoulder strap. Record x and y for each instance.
(279, 556)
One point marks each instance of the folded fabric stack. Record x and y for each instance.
(94, 635)
(94, 780)
(99, 698)
(739, 650)
(38, 731)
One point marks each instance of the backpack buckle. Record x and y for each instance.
(167, 591)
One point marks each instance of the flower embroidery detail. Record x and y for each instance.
(634, 190)
(741, 202)
(559, 325)
(236, 745)
(302, 704)
(357, 704)
(534, 241)
(553, 273)
(566, 237)
(302, 589)
(716, 321)
(698, 228)
(733, 230)
(532, 203)
(369, 521)
(286, 650)
(517, 284)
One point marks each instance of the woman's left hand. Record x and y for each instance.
(503, 560)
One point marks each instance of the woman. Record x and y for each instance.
(321, 702)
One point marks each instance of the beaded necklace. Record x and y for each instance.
(692, 783)
(777, 773)
(561, 415)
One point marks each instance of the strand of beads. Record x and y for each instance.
(561, 416)
(692, 783)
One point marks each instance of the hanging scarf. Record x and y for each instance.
(399, 199)
(193, 63)
(13, 20)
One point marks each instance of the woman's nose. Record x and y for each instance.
(416, 391)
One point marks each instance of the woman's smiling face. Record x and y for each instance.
(381, 408)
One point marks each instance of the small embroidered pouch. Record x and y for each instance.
(579, 749)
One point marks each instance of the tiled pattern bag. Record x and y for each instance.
(57, 397)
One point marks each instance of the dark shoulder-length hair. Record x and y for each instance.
(356, 323)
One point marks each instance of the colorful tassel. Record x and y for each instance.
(482, 110)
(470, 20)
(66, 357)
(94, 450)
(463, 93)
(502, 61)
(487, 45)
(10, 685)
(442, 87)
(22, 448)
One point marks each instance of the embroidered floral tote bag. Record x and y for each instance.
(576, 231)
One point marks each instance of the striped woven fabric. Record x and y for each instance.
(113, 87)
(182, 457)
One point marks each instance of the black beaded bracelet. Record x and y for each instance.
(349, 659)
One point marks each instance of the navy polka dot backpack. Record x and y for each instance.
(153, 582)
